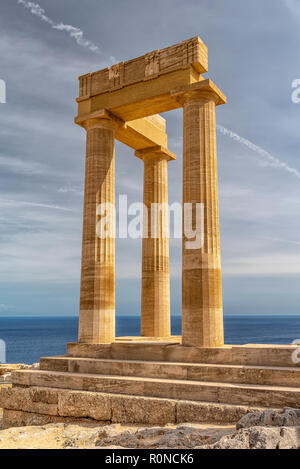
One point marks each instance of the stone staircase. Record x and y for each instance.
(153, 383)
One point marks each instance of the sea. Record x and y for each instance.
(29, 338)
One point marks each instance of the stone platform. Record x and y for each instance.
(155, 383)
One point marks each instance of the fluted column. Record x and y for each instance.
(202, 315)
(155, 301)
(97, 293)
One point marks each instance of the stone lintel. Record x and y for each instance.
(142, 99)
(155, 152)
(98, 115)
(189, 53)
(205, 89)
(137, 134)
(165, 93)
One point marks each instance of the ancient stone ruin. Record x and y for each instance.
(155, 378)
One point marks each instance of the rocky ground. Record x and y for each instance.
(267, 430)
(6, 370)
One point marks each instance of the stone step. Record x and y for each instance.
(168, 370)
(239, 394)
(42, 405)
(256, 355)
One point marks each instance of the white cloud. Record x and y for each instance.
(293, 6)
(17, 165)
(20, 203)
(263, 265)
(281, 240)
(72, 190)
(41, 257)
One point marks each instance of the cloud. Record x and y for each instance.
(20, 203)
(75, 33)
(293, 6)
(72, 190)
(3, 307)
(41, 256)
(280, 240)
(263, 265)
(16, 165)
(269, 159)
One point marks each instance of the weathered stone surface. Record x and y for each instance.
(34, 366)
(30, 400)
(118, 408)
(202, 312)
(160, 437)
(155, 301)
(155, 393)
(260, 438)
(141, 87)
(190, 52)
(97, 293)
(84, 435)
(256, 355)
(90, 405)
(213, 392)
(78, 436)
(189, 371)
(189, 411)
(119, 94)
(57, 402)
(5, 378)
(84, 404)
(20, 418)
(129, 409)
(288, 417)
(7, 369)
(49, 436)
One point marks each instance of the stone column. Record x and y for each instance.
(155, 301)
(202, 315)
(97, 293)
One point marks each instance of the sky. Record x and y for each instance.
(254, 57)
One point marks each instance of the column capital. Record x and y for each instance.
(158, 152)
(204, 90)
(100, 119)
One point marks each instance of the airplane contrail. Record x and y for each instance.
(75, 33)
(268, 157)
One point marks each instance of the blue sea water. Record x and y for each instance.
(28, 338)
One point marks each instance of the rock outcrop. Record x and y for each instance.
(62, 436)
(258, 430)
(260, 438)
(271, 418)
